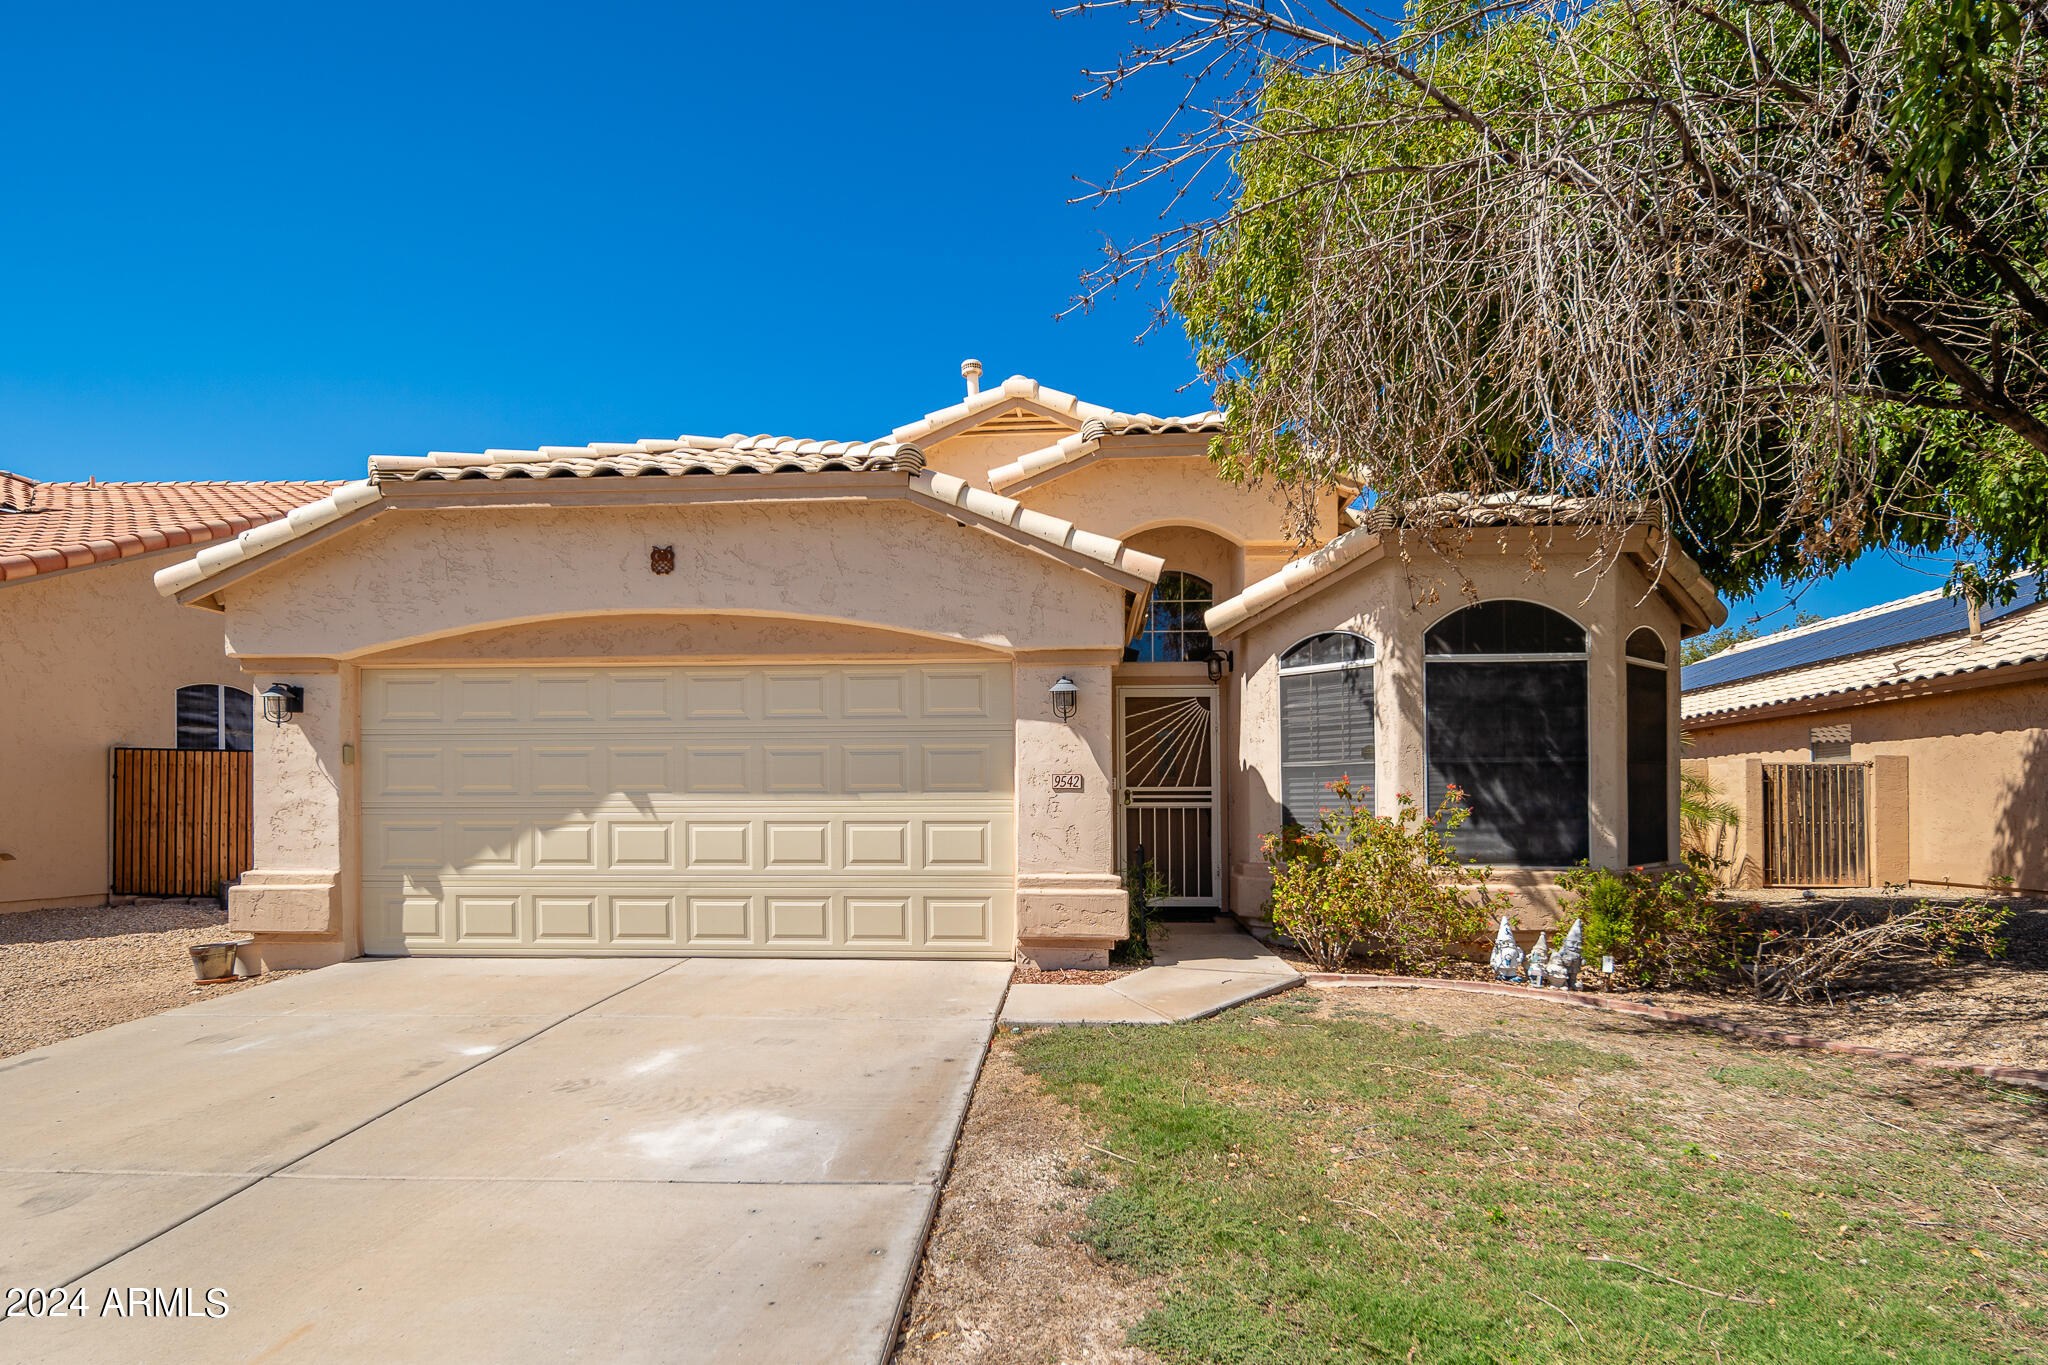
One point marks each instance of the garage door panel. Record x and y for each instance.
(875, 919)
(630, 845)
(417, 766)
(805, 810)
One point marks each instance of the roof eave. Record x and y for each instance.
(1996, 674)
(196, 581)
(1078, 452)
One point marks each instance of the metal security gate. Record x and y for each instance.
(1817, 824)
(1167, 737)
(181, 821)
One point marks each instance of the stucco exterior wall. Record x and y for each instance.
(847, 579)
(89, 658)
(1121, 495)
(711, 637)
(414, 574)
(1394, 604)
(1976, 778)
(974, 452)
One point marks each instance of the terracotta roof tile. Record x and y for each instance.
(1088, 440)
(1016, 389)
(45, 527)
(684, 455)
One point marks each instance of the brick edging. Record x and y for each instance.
(2019, 1075)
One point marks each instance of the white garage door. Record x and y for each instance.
(786, 811)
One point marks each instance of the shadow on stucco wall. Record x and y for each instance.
(2019, 843)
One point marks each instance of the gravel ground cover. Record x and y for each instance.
(67, 972)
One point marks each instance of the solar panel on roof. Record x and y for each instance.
(1901, 626)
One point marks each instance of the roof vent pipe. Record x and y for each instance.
(1976, 610)
(970, 370)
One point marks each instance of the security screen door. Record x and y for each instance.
(1168, 740)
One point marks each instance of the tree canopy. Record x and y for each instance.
(1772, 269)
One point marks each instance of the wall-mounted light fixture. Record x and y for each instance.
(281, 701)
(1066, 698)
(1220, 661)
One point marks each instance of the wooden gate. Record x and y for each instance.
(181, 822)
(1817, 824)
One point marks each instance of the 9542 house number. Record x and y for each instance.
(133, 1301)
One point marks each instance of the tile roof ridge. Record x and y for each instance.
(1080, 444)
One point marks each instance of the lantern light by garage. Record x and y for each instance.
(1066, 697)
(1220, 662)
(281, 701)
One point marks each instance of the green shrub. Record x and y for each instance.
(1664, 928)
(1147, 888)
(1392, 885)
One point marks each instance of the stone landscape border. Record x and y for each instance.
(2015, 1075)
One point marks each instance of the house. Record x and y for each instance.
(91, 657)
(1930, 716)
(920, 696)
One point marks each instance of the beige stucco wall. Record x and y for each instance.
(853, 579)
(1394, 604)
(89, 658)
(413, 574)
(1123, 495)
(1195, 550)
(1976, 777)
(705, 637)
(974, 452)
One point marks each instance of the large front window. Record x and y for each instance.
(1506, 723)
(1325, 723)
(1173, 631)
(1649, 765)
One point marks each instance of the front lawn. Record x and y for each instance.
(1350, 1177)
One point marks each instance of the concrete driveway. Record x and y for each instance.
(456, 1160)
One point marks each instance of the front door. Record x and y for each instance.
(1167, 738)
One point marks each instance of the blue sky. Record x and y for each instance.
(271, 241)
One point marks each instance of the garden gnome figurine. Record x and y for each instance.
(1539, 955)
(1507, 958)
(1564, 964)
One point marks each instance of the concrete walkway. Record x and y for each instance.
(1197, 970)
(455, 1160)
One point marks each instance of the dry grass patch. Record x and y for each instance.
(1353, 1177)
(1007, 1277)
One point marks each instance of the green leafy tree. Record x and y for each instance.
(1771, 269)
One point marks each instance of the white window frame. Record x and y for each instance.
(1372, 661)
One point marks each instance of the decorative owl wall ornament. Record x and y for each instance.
(662, 559)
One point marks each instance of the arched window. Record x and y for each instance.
(1326, 729)
(211, 716)
(1649, 733)
(1506, 722)
(1173, 631)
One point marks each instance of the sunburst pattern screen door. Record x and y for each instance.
(1170, 761)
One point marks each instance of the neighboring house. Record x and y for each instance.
(91, 656)
(1931, 721)
(918, 696)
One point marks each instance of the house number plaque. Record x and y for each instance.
(1066, 782)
